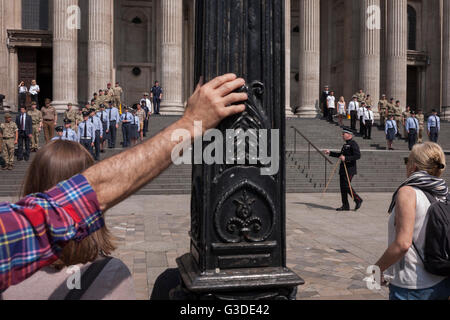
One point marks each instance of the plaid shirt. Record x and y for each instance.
(34, 230)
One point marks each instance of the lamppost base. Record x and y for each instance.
(236, 284)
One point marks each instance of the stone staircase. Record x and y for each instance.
(379, 170)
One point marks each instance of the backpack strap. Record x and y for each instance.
(432, 200)
(87, 278)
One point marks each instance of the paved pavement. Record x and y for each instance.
(330, 250)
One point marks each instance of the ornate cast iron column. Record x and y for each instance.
(238, 235)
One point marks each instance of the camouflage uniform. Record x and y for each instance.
(36, 117)
(9, 131)
(117, 96)
(405, 116)
(72, 116)
(398, 118)
(361, 97)
(382, 108)
(421, 119)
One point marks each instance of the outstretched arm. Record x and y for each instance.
(113, 183)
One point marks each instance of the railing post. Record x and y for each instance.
(295, 141)
(309, 156)
(326, 164)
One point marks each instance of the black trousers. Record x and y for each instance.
(412, 138)
(24, 141)
(22, 99)
(156, 105)
(345, 191)
(325, 111)
(330, 114)
(87, 143)
(145, 127)
(35, 98)
(434, 134)
(362, 127)
(126, 135)
(368, 130)
(112, 137)
(97, 144)
(354, 116)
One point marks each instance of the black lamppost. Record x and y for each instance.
(238, 234)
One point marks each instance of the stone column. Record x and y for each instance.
(369, 74)
(397, 50)
(446, 60)
(10, 18)
(172, 57)
(100, 45)
(287, 34)
(65, 54)
(13, 79)
(309, 52)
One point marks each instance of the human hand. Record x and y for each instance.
(30, 136)
(15, 142)
(342, 158)
(213, 102)
(327, 152)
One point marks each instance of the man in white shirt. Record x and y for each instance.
(34, 92)
(331, 105)
(353, 108)
(148, 103)
(362, 109)
(368, 120)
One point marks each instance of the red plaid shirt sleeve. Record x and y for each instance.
(33, 231)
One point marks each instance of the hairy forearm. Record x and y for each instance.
(117, 178)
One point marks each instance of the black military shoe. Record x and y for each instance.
(343, 209)
(358, 204)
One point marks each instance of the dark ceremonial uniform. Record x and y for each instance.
(352, 154)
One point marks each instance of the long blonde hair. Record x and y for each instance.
(428, 157)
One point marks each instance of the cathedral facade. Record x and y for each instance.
(73, 48)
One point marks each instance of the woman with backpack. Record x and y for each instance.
(407, 262)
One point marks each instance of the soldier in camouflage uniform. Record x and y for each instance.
(10, 134)
(36, 117)
(405, 115)
(79, 117)
(361, 96)
(421, 119)
(109, 92)
(398, 117)
(71, 114)
(382, 108)
(117, 98)
(102, 99)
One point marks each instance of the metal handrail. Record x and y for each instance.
(310, 144)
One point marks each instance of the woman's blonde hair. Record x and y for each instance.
(428, 157)
(54, 163)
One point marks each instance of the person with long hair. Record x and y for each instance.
(342, 110)
(402, 262)
(56, 162)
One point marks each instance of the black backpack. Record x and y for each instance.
(437, 238)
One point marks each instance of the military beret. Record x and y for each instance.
(8, 115)
(59, 129)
